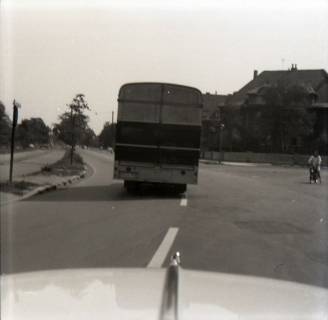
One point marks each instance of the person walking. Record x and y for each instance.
(315, 164)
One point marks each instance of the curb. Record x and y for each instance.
(56, 186)
(48, 187)
(230, 163)
(254, 164)
(209, 161)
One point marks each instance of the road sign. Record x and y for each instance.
(17, 105)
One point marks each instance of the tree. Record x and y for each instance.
(32, 131)
(233, 131)
(71, 131)
(73, 123)
(5, 126)
(284, 121)
(107, 135)
(89, 138)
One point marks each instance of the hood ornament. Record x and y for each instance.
(175, 259)
(169, 310)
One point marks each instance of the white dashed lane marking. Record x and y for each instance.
(184, 201)
(164, 248)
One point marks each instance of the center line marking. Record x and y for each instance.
(184, 201)
(162, 251)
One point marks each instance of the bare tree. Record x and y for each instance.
(73, 123)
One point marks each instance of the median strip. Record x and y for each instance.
(51, 177)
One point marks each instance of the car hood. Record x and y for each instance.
(138, 294)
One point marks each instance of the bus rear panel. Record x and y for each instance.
(158, 133)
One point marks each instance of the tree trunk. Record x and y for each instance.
(72, 142)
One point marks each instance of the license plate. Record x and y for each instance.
(128, 175)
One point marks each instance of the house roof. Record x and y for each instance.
(314, 81)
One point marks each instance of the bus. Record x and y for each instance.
(158, 135)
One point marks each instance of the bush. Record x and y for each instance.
(77, 159)
(63, 167)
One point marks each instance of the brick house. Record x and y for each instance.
(246, 102)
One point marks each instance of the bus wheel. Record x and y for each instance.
(131, 186)
(180, 188)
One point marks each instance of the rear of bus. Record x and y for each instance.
(158, 134)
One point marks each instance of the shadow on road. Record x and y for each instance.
(112, 192)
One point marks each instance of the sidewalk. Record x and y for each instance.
(29, 162)
(30, 179)
(21, 155)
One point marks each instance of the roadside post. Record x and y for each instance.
(16, 105)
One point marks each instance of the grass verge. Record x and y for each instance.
(63, 167)
(48, 174)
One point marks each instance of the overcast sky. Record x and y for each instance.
(51, 50)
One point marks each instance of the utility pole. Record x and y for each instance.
(113, 129)
(16, 105)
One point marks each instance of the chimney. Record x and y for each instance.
(255, 74)
(294, 67)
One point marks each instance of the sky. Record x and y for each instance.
(52, 50)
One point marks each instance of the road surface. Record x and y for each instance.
(28, 162)
(264, 221)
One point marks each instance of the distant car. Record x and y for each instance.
(31, 145)
(110, 150)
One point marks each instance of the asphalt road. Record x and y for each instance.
(28, 162)
(262, 220)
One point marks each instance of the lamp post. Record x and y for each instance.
(112, 130)
(221, 128)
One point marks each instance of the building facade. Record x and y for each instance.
(242, 110)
